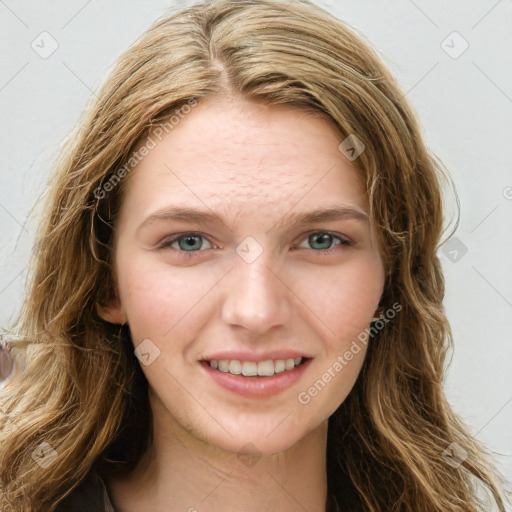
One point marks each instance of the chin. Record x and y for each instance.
(264, 438)
(257, 446)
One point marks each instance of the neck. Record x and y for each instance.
(185, 473)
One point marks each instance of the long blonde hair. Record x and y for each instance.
(82, 387)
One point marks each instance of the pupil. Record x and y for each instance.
(324, 238)
(190, 241)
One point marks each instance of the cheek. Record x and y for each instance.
(156, 298)
(343, 298)
(344, 303)
(348, 304)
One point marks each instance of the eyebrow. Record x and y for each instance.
(204, 217)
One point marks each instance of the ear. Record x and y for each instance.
(111, 314)
(111, 309)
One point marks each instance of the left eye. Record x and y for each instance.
(324, 241)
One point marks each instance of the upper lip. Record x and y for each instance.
(251, 356)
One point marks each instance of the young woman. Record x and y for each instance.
(236, 302)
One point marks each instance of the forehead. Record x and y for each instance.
(238, 156)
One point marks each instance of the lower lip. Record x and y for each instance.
(259, 387)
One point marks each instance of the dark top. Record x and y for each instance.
(90, 496)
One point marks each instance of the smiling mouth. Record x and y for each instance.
(266, 368)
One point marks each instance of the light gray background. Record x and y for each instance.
(465, 108)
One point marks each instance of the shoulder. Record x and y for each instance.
(91, 494)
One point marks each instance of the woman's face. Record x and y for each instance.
(259, 277)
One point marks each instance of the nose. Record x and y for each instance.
(257, 298)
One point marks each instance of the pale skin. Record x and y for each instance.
(255, 166)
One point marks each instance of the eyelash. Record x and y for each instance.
(166, 244)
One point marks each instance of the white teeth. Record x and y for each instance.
(235, 367)
(249, 368)
(265, 368)
(279, 366)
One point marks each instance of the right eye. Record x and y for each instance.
(186, 242)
